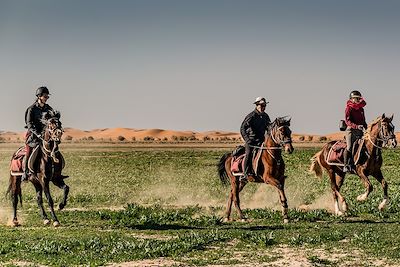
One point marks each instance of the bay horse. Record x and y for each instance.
(269, 169)
(46, 167)
(379, 134)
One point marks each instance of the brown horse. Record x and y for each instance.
(47, 167)
(380, 134)
(269, 169)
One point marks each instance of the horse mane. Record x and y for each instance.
(51, 114)
(285, 120)
(369, 128)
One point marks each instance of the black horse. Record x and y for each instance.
(46, 165)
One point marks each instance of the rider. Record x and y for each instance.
(253, 132)
(355, 121)
(33, 116)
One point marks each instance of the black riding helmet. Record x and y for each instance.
(42, 90)
(355, 93)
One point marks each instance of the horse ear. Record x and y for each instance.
(383, 116)
(391, 117)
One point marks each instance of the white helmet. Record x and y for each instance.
(260, 100)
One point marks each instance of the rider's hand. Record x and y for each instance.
(360, 127)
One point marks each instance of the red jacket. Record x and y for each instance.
(354, 114)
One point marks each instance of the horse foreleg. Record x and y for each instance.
(61, 184)
(46, 190)
(379, 177)
(39, 199)
(280, 186)
(367, 185)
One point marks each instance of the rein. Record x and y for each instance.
(280, 143)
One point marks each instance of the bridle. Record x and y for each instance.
(382, 137)
(277, 137)
(51, 132)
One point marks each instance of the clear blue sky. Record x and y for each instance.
(198, 65)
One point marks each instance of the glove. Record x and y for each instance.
(360, 127)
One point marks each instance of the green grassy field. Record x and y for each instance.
(134, 204)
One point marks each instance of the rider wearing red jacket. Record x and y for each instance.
(355, 121)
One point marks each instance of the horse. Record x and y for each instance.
(379, 134)
(46, 167)
(269, 168)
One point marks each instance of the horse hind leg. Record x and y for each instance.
(379, 177)
(15, 190)
(339, 183)
(237, 187)
(336, 194)
(229, 207)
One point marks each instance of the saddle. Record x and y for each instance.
(237, 162)
(16, 165)
(336, 153)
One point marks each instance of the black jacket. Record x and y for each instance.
(254, 126)
(33, 116)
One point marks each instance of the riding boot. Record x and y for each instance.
(247, 164)
(347, 158)
(25, 163)
(351, 163)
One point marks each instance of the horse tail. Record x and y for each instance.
(223, 175)
(316, 166)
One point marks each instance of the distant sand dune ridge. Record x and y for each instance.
(129, 134)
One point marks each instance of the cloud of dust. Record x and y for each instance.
(5, 216)
(167, 189)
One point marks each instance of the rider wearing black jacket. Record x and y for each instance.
(253, 130)
(33, 116)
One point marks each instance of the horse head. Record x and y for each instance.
(52, 127)
(383, 129)
(281, 133)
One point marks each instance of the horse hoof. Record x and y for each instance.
(56, 224)
(46, 222)
(61, 206)
(339, 213)
(285, 221)
(361, 198)
(226, 220)
(243, 220)
(382, 206)
(344, 207)
(15, 223)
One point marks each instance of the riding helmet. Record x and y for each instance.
(42, 90)
(355, 93)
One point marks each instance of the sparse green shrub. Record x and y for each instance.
(322, 138)
(148, 138)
